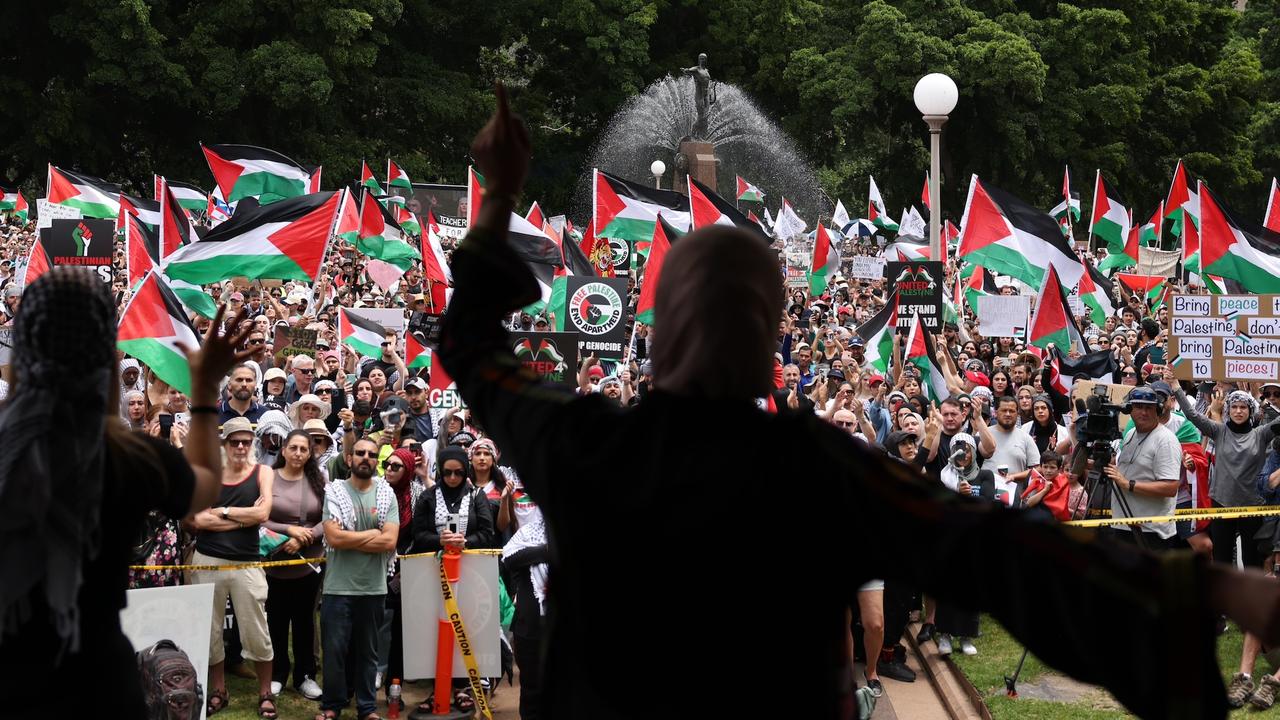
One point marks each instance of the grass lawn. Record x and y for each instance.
(244, 702)
(998, 655)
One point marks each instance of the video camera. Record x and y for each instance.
(1098, 426)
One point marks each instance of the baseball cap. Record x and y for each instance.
(874, 379)
(1162, 388)
(274, 374)
(1142, 396)
(856, 341)
(416, 382)
(596, 372)
(897, 437)
(237, 296)
(835, 374)
(236, 425)
(540, 319)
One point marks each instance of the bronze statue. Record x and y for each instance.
(704, 95)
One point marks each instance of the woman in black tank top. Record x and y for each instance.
(241, 543)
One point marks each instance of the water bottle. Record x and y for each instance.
(393, 699)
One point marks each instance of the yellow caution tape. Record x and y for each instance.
(1181, 516)
(288, 563)
(460, 636)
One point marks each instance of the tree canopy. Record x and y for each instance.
(122, 88)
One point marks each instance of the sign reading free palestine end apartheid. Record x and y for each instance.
(1225, 337)
(596, 308)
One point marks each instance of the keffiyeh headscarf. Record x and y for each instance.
(1240, 397)
(952, 474)
(52, 447)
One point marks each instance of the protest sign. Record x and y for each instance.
(47, 212)
(1225, 337)
(477, 597)
(1004, 315)
(621, 250)
(82, 243)
(797, 278)
(290, 341)
(6, 345)
(427, 324)
(865, 267)
(596, 309)
(180, 614)
(552, 356)
(919, 288)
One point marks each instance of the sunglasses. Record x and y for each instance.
(446, 472)
(393, 466)
(239, 443)
(256, 341)
(1130, 373)
(364, 453)
(306, 371)
(325, 391)
(318, 439)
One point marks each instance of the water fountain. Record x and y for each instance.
(715, 140)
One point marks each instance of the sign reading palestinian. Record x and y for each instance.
(1225, 337)
(552, 356)
(919, 286)
(82, 243)
(596, 309)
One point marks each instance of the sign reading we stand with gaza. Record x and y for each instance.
(1225, 337)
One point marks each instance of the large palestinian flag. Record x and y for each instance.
(1127, 256)
(920, 353)
(1004, 234)
(1053, 322)
(625, 210)
(192, 198)
(348, 228)
(708, 208)
(1233, 248)
(652, 273)
(285, 240)
(243, 171)
(978, 283)
(825, 264)
(141, 249)
(876, 212)
(360, 333)
(93, 197)
(175, 229)
(877, 336)
(152, 325)
(381, 237)
(147, 211)
(435, 268)
(1110, 220)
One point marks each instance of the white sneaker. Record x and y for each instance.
(309, 689)
(966, 647)
(276, 687)
(944, 644)
(377, 680)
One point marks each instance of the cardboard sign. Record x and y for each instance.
(596, 309)
(180, 614)
(1225, 337)
(1004, 315)
(83, 243)
(919, 286)
(865, 267)
(797, 278)
(47, 212)
(552, 356)
(290, 341)
(477, 596)
(6, 345)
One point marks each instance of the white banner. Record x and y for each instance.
(477, 593)
(47, 212)
(1162, 263)
(867, 268)
(389, 318)
(1004, 315)
(182, 614)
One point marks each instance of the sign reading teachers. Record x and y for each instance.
(1225, 337)
(83, 243)
(919, 288)
(596, 309)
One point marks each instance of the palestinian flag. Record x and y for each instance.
(1127, 257)
(348, 229)
(13, 202)
(416, 355)
(1067, 211)
(825, 264)
(380, 235)
(623, 210)
(1234, 249)
(314, 185)
(360, 333)
(475, 195)
(407, 221)
(285, 240)
(397, 178)
(906, 248)
(192, 296)
(244, 171)
(191, 197)
(535, 216)
(877, 335)
(147, 211)
(1099, 365)
(951, 235)
(531, 244)
(38, 262)
(152, 325)
(652, 272)
(979, 283)
(920, 353)
(1004, 234)
(368, 181)
(708, 208)
(175, 230)
(1053, 322)
(1097, 292)
(1271, 220)
(1149, 233)
(1150, 287)
(141, 249)
(1110, 220)
(93, 197)
(573, 257)
(876, 212)
(1183, 201)
(434, 265)
(20, 208)
(924, 194)
(1191, 249)
(440, 385)
(747, 191)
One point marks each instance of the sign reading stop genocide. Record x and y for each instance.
(1225, 337)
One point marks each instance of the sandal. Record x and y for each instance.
(463, 701)
(326, 715)
(263, 711)
(222, 700)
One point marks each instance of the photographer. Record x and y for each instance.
(1145, 472)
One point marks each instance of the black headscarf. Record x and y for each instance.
(452, 495)
(52, 439)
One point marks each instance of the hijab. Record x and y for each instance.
(952, 474)
(404, 487)
(52, 447)
(721, 288)
(452, 495)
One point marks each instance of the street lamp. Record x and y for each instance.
(657, 168)
(935, 97)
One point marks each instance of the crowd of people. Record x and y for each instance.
(343, 457)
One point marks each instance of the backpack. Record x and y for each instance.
(170, 684)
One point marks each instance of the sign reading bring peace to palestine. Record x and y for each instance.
(596, 309)
(1225, 337)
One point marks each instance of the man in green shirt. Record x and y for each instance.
(361, 524)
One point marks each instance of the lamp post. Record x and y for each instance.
(657, 168)
(935, 96)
